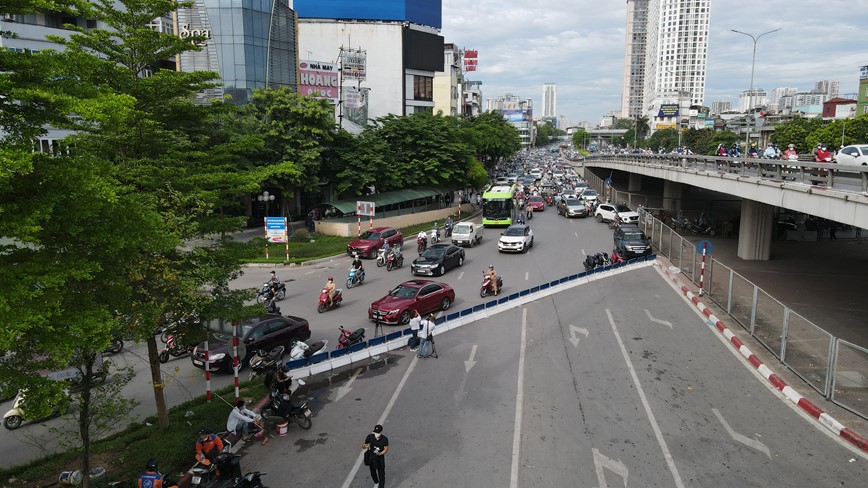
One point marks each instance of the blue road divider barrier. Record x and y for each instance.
(364, 351)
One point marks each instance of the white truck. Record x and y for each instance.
(467, 234)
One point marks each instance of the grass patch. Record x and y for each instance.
(306, 247)
(123, 455)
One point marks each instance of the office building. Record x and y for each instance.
(829, 87)
(751, 99)
(676, 58)
(774, 98)
(550, 100)
(720, 107)
(518, 112)
(634, 58)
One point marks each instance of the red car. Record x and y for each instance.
(423, 295)
(537, 204)
(372, 240)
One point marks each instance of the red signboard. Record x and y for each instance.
(471, 58)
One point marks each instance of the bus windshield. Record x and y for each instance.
(497, 209)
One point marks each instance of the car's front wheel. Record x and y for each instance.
(600, 218)
(445, 304)
(405, 317)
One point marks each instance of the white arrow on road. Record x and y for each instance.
(468, 365)
(752, 443)
(575, 340)
(659, 321)
(343, 390)
(470, 362)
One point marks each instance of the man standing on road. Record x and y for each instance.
(378, 444)
(426, 331)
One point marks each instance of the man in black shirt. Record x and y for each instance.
(378, 444)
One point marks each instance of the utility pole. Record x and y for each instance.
(750, 91)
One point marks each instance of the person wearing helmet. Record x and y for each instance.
(330, 287)
(208, 446)
(357, 264)
(752, 151)
(152, 478)
(492, 273)
(790, 154)
(770, 152)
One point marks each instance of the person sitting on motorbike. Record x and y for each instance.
(278, 382)
(152, 478)
(386, 249)
(436, 231)
(790, 153)
(330, 288)
(422, 239)
(273, 281)
(823, 155)
(357, 265)
(529, 210)
(492, 273)
(448, 225)
(208, 446)
(752, 152)
(770, 152)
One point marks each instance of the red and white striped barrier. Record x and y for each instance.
(808, 406)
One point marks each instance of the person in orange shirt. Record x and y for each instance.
(152, 478)
(208, 446)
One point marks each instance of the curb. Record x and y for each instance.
(808, 406)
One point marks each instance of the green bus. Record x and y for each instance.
(498, 205)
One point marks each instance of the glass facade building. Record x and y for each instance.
(249, 43)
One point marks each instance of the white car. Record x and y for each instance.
(855, 155)
(516, 238)
(589, 195)
(606, 213)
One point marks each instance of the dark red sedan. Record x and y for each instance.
(372, 240)
(423, 295)
(537, 203)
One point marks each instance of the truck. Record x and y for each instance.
(467, 234)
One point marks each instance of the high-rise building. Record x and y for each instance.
(634, 58)
(720, 107)
(750, 99)
(518, 112)
(676, 58)
(830, 87)
(550, 100)
(774, 99)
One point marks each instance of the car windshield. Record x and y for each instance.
(574, 203)
(535, 199)
(434, 252)
(369, 236)
(402, 291)
(634, 236)
(220, 336)
(622, 208)
(514, 231)
(589, 193)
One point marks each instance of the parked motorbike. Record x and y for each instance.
(271, 307)
(116, 346)
(303, 350)
(597, 260)
(486, 288)
(228, 466)
(355, 277)
(174, 349)
(381, 257)
(348, 338)
(395, 260)
(262, 360)
(701, 227)
(265, 292)
(324, 304)
(16, 416)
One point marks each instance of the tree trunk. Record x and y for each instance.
(84, 420)
(157, 381)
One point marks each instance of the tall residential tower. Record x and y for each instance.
(634, 58)
(550, 100)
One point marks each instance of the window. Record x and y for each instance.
(423, 88)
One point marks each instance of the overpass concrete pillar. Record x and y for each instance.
(672, 195)
(635, 182)
(755, 230)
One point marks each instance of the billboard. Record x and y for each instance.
(516, 115)
(319, 80)
(423, 12)
(471, 58)
(422, 50)
(668, 110)
(354, 64)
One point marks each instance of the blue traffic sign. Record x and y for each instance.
(703, 244)
(608, 181)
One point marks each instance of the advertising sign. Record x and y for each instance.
(319, 80)
(516, 115)
(354, 63)
(352, 97)
(365, 208)
(275, 229)
(662, 125)
(471, 58)
(668, 110)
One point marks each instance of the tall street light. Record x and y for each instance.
(266, 198)
(750, 91)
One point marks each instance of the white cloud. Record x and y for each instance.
(579, 44)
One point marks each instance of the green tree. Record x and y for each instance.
(664, 138)
(624, 123)
(699, 140)
(545, 133)
(581, 138)
(796, 132)
(852, 131)
(491, 138)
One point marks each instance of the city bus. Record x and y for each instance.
(498, 205)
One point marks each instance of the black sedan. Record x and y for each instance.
(265, 332)
(437, 259)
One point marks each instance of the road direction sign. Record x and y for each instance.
(703, 244)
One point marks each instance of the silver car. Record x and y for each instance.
(572, 207)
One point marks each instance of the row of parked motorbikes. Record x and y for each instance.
(600, 259)
(700, 226)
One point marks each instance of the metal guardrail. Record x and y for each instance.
(363, 351)
(835, 368)
(807, 172)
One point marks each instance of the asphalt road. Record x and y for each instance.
(617, 382)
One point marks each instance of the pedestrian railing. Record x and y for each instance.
(835, 368)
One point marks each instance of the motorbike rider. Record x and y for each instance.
(422, 238)
(492, 273)
(752, 152)
(358, 266)
(208, 446)
(790, 153)
(448, 225)
(822, 154)
(330, 288)
(152, 478)
(770, 152)
(273, 281)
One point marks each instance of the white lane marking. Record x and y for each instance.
(526, 275)
(460, 275)
(381, 421)
(573, 338)
(470, 363)
(659, 321)
(312, 272)
(576, 234)
(618, 467)
(519, 405)
(752, 443)
(343, 390)
(583, 253)
(666, 454)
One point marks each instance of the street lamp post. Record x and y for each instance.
(750, 91)
(265, 197)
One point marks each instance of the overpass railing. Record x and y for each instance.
(834, 367)
(807, 172)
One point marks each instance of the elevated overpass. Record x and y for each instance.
(840, 195)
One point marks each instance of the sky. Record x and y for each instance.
(579, 45)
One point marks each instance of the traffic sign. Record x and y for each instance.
(365, 208)
(703, 244)
(608, 181)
